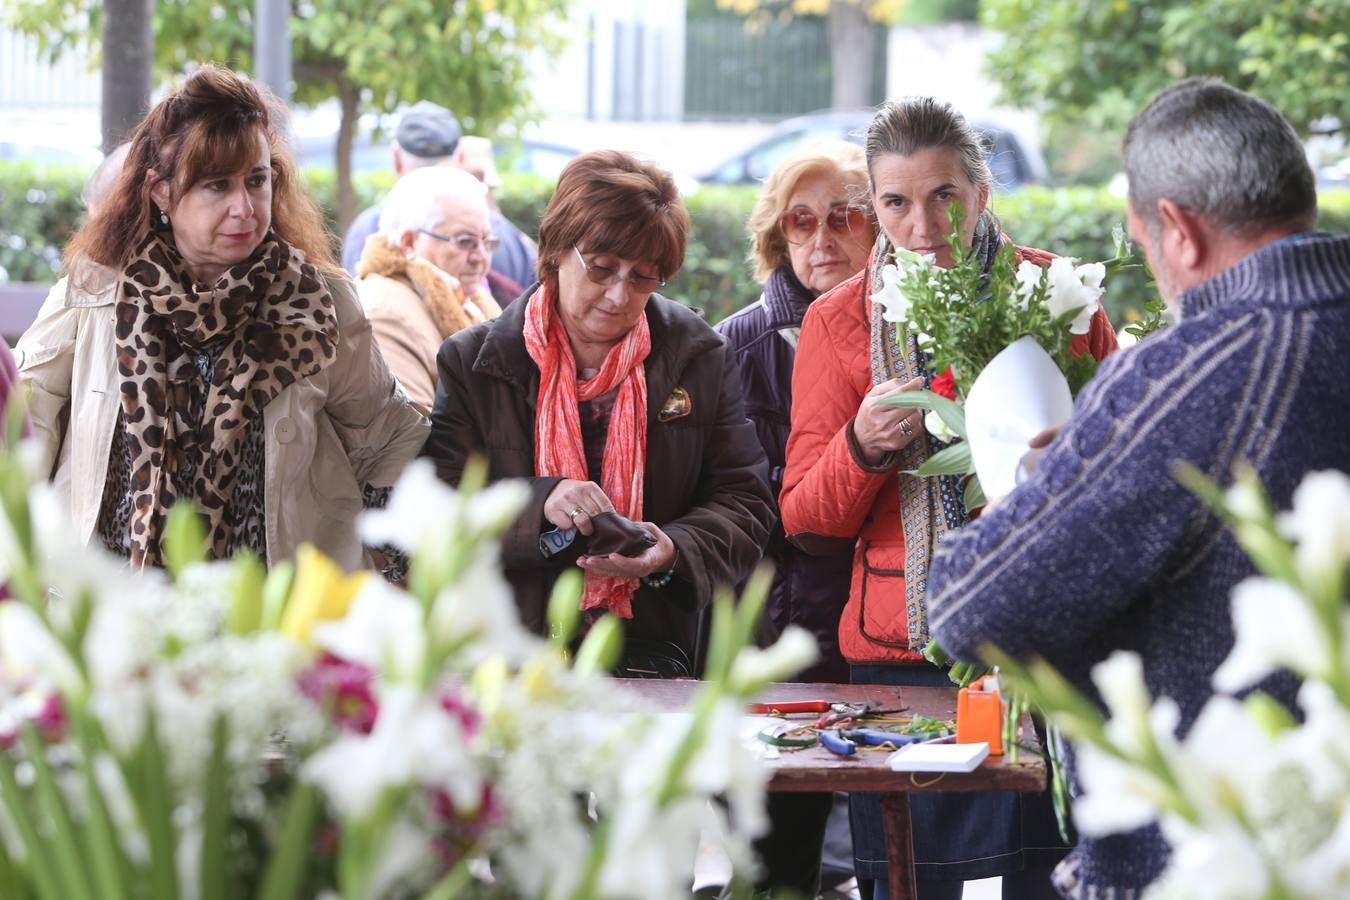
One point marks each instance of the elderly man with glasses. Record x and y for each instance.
(424, 273)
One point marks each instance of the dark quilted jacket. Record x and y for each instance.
(809, 591)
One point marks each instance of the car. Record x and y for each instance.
(316, 144)
(1013, 162)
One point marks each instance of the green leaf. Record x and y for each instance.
(184, 541)
(602, 648)
(247, 580)
(37, 862)
(111, 869)
(564, 610)
(66, 849)
(216, 817)
(276, 590)
(951, 412)
(286, 869)
(973, 496)
(953, 460)
(156, 802)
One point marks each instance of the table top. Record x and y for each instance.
(817, 769)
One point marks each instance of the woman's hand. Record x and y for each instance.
(572, 503)
(880, 428)
(660, 557)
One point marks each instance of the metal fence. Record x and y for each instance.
(26, 80)
(779, 70)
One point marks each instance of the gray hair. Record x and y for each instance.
(416, 198)
(1222, 153)
(910, 124)
(105, 177)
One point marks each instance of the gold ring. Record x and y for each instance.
(575, 512)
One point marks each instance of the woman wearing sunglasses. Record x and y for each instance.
(809, 231)
(423, 275)
(607, 397)
(844, 485)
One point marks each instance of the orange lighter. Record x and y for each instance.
(979, 714)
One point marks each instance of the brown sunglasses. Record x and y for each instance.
(800, 225)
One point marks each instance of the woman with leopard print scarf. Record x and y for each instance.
(208, 350)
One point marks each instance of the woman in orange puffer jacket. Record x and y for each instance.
(842, 485)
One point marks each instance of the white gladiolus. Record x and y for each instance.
(894, 304)
(1274, 627)
(794, 650)
(1319, 523)
(1075, 289)
(382, 631)
(29, 652)
(935, 425)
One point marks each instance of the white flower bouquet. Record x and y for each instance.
(219, 731)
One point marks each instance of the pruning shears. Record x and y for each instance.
(846, 741)
(831, 713)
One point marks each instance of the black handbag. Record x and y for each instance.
(645, 657)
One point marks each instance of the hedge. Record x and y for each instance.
(39, 207)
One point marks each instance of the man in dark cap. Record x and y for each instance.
(427, 135)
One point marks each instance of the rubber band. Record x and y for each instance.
(925, 784)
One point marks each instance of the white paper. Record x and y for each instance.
(1018, 395)
(938, 757)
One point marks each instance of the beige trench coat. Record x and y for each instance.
(326, 435)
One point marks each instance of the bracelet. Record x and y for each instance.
(661, 579)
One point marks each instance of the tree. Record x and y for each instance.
(852, 37)
(471, 56)
(128, 76)
(1099, 62)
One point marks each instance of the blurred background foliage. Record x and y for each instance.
(40, 207)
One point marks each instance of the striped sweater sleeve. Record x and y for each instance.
(1076, 545)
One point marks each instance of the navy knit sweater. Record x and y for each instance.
(1102, 549)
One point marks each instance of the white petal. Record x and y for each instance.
(1274, 628)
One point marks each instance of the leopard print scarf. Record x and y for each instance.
(274, 316)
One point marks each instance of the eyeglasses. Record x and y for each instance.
(466, 241)
(606, 275)
(800, 225)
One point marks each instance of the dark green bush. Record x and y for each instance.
(40, 207)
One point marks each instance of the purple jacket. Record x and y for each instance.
(809, 591)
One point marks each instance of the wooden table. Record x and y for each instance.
(817, 769)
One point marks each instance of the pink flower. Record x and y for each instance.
(456, 833)
(344, 688)
(46, 714)
(469, 718)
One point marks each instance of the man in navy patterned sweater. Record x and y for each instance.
(1102, 549)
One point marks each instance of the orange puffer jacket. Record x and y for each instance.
(829, 495)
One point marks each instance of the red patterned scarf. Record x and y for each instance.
(558, 448)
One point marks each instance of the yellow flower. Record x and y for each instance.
(321, 592)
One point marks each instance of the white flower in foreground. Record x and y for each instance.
(480, 609)
(1320, 523)
(754, 668)
(382, 631)
(1120, 679)
(1274, 628)
(1321, 745)
(1116, 797)
(894, 304)
(1220, 862)
(1075, 289)
(424, 513)
(414, 742)
(29, 651)
(935, 425)
(1325, 871)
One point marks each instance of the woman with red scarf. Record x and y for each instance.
(607, 397)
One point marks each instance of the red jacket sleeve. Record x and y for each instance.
(826, 492)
